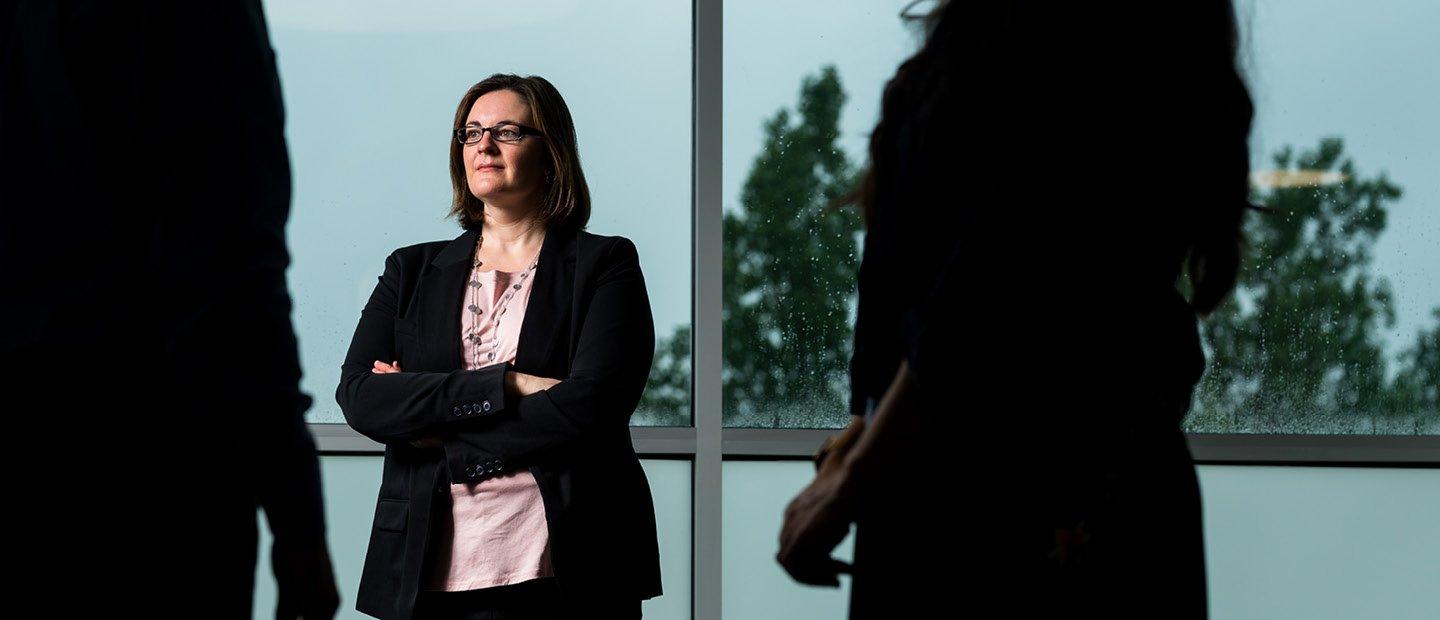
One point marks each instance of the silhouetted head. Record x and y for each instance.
(514, 140)
(1120, 128)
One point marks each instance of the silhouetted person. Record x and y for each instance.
(1039, 175)
(145, 187)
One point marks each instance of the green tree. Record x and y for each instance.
(790, 265)
(666, 401)
(1297, 348)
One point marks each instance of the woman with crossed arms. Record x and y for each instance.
(500, 370)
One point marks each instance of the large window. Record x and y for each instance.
(1334, 328)
(745, 118)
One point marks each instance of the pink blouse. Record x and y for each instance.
(496, 533)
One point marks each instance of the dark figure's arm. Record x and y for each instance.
(290, 487)
(289, 490)
(930, 339)
(399, 407)
(229, 43)
(607, 376)
(884, 444)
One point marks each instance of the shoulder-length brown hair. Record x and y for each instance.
(567, 198)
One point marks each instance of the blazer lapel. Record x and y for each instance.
(546, 315)
(439, 295)
(547, 312)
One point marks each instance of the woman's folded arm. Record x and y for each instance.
(616, 345)
(398, 407)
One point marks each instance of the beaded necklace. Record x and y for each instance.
(499, 309)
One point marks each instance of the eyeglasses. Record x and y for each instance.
(508, 133)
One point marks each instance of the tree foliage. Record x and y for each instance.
(790, 264)
(1298, 347)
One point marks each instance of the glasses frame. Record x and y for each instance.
(525, 130)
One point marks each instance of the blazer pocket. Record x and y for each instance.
(391, 514)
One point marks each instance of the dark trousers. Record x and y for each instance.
(536, 599)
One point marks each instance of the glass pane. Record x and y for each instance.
(1335, 326)
(370, 92)
(802, 92)
(755, 587)
(670, 484)
(1262, 525)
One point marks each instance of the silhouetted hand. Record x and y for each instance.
(304, 579)
(815, 522)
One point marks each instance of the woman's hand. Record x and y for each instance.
(815, 522)
(521, 384)
(382, 368)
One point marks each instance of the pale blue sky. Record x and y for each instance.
(370, 89)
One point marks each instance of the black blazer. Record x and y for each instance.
(587, 323)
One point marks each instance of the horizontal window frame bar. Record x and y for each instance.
(671, 442)
(650, 442)
(1315, 450)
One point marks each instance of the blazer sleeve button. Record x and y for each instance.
(485, 406)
